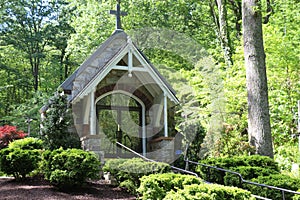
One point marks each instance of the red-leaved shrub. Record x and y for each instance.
(9, 134)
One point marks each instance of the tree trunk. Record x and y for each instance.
(258, 106)
(223, 29)
(220, 20)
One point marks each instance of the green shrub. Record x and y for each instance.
(28, 143)
(209, 192)
(232, 163)
(129, 171)
(112, 166)
(297, 196)
(186, 195)
(248, 173)
(277, 180)
(18, 162)
(156, 186)
(55, 131)
(71, 167)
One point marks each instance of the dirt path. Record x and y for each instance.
(39, 189)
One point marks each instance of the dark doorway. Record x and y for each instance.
(119, 118)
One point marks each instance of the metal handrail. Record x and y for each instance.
(242, 180)
(150, 160)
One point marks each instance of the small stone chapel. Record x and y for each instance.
(118, 95)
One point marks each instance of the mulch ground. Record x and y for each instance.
(38, 189)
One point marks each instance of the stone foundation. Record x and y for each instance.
(92, 143)
(161, 149)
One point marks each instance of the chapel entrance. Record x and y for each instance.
(120, 119)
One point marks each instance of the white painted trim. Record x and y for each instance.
(86, 112)
(154, 75)
(133, 69)
(113, 64)
(92, 114)
(130, 65)
(165, 115)
(144, 134)
(101, 75)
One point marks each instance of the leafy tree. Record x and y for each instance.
(30, 26)
(57, 124)
(281, 41)
(92, 24)
(26, 115)
(258, 106)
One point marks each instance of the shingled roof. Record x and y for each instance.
(100, 61)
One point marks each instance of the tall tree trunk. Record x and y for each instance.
(223, 29)
(220, 20)
(258, 106)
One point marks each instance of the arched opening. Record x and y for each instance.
(121, 118)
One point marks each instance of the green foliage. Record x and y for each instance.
(9, 134)
(156, 186)
(255, 164)
(113, 167)
(57, 123)
(209, 192)
(71, 167)
(19, 162)
(67, 33)
(297, 196)
(29, 143)
(248, 173)
(129, 171)
(277, 180)
(281, 37)
(287, 155)
(27, 113)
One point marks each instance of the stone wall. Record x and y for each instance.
(162, 149)
(92, 143)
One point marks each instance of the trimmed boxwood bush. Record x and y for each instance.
(29, 143)
(21, 157)
(129, 171)
(71, 167)
(248, 173)
(18, 162)
(156, 186)
(112, 166)
(277, 180)
(209, 192)
(232, 163)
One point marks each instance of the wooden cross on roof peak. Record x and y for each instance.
(118, 14)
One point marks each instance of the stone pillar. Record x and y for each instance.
(92, 143)
(162, 149)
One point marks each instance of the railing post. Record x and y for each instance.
(208, 172)
(241, 181)
(283, 197)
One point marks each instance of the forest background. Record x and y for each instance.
(43, 42)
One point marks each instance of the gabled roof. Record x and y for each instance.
(96, 67)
